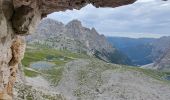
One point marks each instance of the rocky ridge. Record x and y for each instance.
(76, 38)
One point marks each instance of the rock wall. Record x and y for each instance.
(6, 38)
(20, 17)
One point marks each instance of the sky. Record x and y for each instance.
(143, 19)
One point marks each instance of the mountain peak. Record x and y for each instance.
(93, 30)
(50, 21)
(74, 22)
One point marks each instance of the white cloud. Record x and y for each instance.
(144, 16)
(143, 1)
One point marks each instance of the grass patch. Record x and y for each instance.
(59, 63)
(36, 53)
(30, 73)
(48, 54)
(159, 75)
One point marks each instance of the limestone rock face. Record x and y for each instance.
(5, 50)
(20, 17)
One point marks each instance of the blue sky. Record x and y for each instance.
(145, 18)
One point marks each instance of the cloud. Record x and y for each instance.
(143, 1)
(144, 16)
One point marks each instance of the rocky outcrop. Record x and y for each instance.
(19, 17)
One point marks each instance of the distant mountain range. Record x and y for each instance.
(138, 50)
(144, 51)
(76, 38)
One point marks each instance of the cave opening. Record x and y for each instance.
(81, 50)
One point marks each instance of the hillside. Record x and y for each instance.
(72, 76)
(76, 38)
(73, 63)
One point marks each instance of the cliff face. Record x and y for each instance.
(160, 54)
(161, 51)
(19, 17)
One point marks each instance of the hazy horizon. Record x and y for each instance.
(138, 35)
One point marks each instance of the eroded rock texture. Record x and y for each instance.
(20, 17)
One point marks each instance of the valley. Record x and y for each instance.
(152, 53)
(80, 76)
(57, 68)
(138, 50)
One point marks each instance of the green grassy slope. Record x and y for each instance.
(60, 58)
(35, 53)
